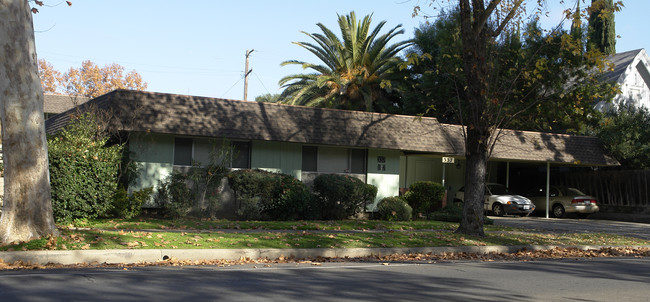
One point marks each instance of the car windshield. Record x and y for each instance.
(566, 191)
(498, 190)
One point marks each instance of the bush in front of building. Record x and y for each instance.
(342, 196)
(84, 170)
(127, 205)
(394, 209)
(425, 197)
(263, 195)
(453, 213)
(173, 195)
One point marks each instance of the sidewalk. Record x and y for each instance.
(154, 255)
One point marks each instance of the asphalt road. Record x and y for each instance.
(600, 279)
(568, 225)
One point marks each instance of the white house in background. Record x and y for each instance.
(632, 73)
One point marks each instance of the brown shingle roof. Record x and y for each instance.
(210, 117)
(542, 147)
(59, 103)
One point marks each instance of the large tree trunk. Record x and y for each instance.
(475, 172)
(27, 210)
(474, 37)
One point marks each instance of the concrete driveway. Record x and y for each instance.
(568, 225)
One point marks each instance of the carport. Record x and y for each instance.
(542, 153)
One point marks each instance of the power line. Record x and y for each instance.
(258, 78)
(231, 87)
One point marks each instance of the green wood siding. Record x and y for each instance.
(277, 157)
(426, 168)
(154, 153)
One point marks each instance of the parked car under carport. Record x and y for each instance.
(563, 200)
(499, 201)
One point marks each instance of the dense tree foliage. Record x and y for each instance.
(509, 78)
(49, 76)
(626, 134)
(268, 98)
(533, 71)
(356, 71)
(89, 80)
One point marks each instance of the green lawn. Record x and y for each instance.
(223, 234)
(207, 225)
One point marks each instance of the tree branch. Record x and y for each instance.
(509, 17)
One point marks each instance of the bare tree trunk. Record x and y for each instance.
(27, 211)
(478, 124)
(475, 172)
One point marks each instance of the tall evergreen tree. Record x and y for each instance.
(576, 25)
(602, 31)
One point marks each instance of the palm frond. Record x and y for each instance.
(352, 67)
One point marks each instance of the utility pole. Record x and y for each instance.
(246, 73)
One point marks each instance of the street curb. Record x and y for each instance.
(125, 256)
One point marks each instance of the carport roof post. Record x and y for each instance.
(548, 186)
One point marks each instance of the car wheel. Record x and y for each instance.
(558, 211)
(582, 215)
(497, 209)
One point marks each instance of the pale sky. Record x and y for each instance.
(198, 47)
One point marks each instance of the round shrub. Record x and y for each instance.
(394, 209)
(425, 197)
(342, 196)
(271, 196)
(291, 200)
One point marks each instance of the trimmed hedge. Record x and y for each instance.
(83, 170)
(425, 197)
(342, 196)
(394, 209)
(264, 195)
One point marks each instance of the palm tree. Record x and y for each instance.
(356, 72)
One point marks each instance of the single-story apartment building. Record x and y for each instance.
(169, 131)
